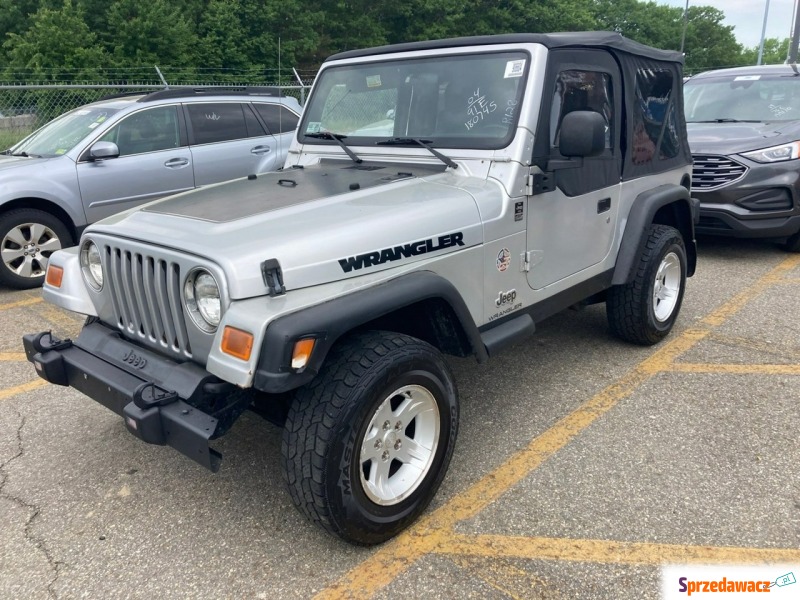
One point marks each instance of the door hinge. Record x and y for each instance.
(525, 262)
(528, 260)
(539, 183)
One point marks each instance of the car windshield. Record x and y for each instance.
(767, 97)
(64, 133)
(466, 101)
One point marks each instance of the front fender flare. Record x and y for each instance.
(329, 321)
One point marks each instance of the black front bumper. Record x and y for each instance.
(157, 398)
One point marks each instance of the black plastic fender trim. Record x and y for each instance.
(328, 321)
(641, 215)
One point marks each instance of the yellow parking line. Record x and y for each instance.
(608, 551)
(20, 303)
(431, 533)
(21, 389)
(12, 356)
(735, 369)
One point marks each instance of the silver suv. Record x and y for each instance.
(119, 152)
(440, 197)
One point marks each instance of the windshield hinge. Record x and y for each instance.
(539, 183)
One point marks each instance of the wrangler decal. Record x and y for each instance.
(378, 257)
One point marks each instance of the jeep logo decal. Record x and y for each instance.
(506, 298)
(133, 359)
(354, 263)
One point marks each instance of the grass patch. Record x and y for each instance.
(9, 137)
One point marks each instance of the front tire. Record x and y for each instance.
(793, 243)
(644, 310)
(28, 237)
(367, 443)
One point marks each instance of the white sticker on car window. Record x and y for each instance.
(93, 125)
(747, 78)
(313, 127)
(514, 68)
(82, 112)
(373, 81)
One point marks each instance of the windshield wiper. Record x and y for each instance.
(336, 137)
(424, 143)
(24, 154)
(726, 120)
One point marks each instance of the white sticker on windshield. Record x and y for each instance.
(747, 78)
(313, 127)
(93, 125)
(373, 81)
(514, 68)
(82, 112)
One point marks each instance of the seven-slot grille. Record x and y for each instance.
(711, 172)
(146, 294)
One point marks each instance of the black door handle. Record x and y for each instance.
(603, 205)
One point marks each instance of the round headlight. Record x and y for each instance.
(92, 265)
(202, 299)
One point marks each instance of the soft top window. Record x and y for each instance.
(655, 131)
(468, 101)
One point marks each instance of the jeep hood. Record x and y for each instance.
(734, 138)
(323, 223)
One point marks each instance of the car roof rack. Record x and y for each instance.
(123, 95)
(213, 91)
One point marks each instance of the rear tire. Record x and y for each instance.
(644, 310)
(28, 237)
(368, 441)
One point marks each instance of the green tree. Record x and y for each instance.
(58, 46)
(709, 43)
(221, 38)
(775, 52)
(150, 33)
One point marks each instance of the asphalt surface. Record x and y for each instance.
(582, 465)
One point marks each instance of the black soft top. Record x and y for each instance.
(580, 39)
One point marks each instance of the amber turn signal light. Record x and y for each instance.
(302, 352)
(237, 343)
(54, 276)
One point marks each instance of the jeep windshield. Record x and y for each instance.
(743, 98)
(64, 133)
(460, 101)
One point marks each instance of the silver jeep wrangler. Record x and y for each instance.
(440, 197)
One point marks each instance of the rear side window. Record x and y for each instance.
(278, 118)
(220, 122)
(655, 133)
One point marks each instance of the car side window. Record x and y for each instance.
(278, 119)
(582, 90)
(218, 122)
(148, 130)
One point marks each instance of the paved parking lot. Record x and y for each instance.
(582, 465)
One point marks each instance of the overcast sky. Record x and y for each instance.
(747, 17)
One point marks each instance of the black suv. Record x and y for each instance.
(744, 132)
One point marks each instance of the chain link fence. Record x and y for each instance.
(26, 107)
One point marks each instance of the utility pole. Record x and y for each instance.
(795, 35)
(763, 31)
(685, 23)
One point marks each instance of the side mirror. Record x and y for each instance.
(103, 150)
(583, 133)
